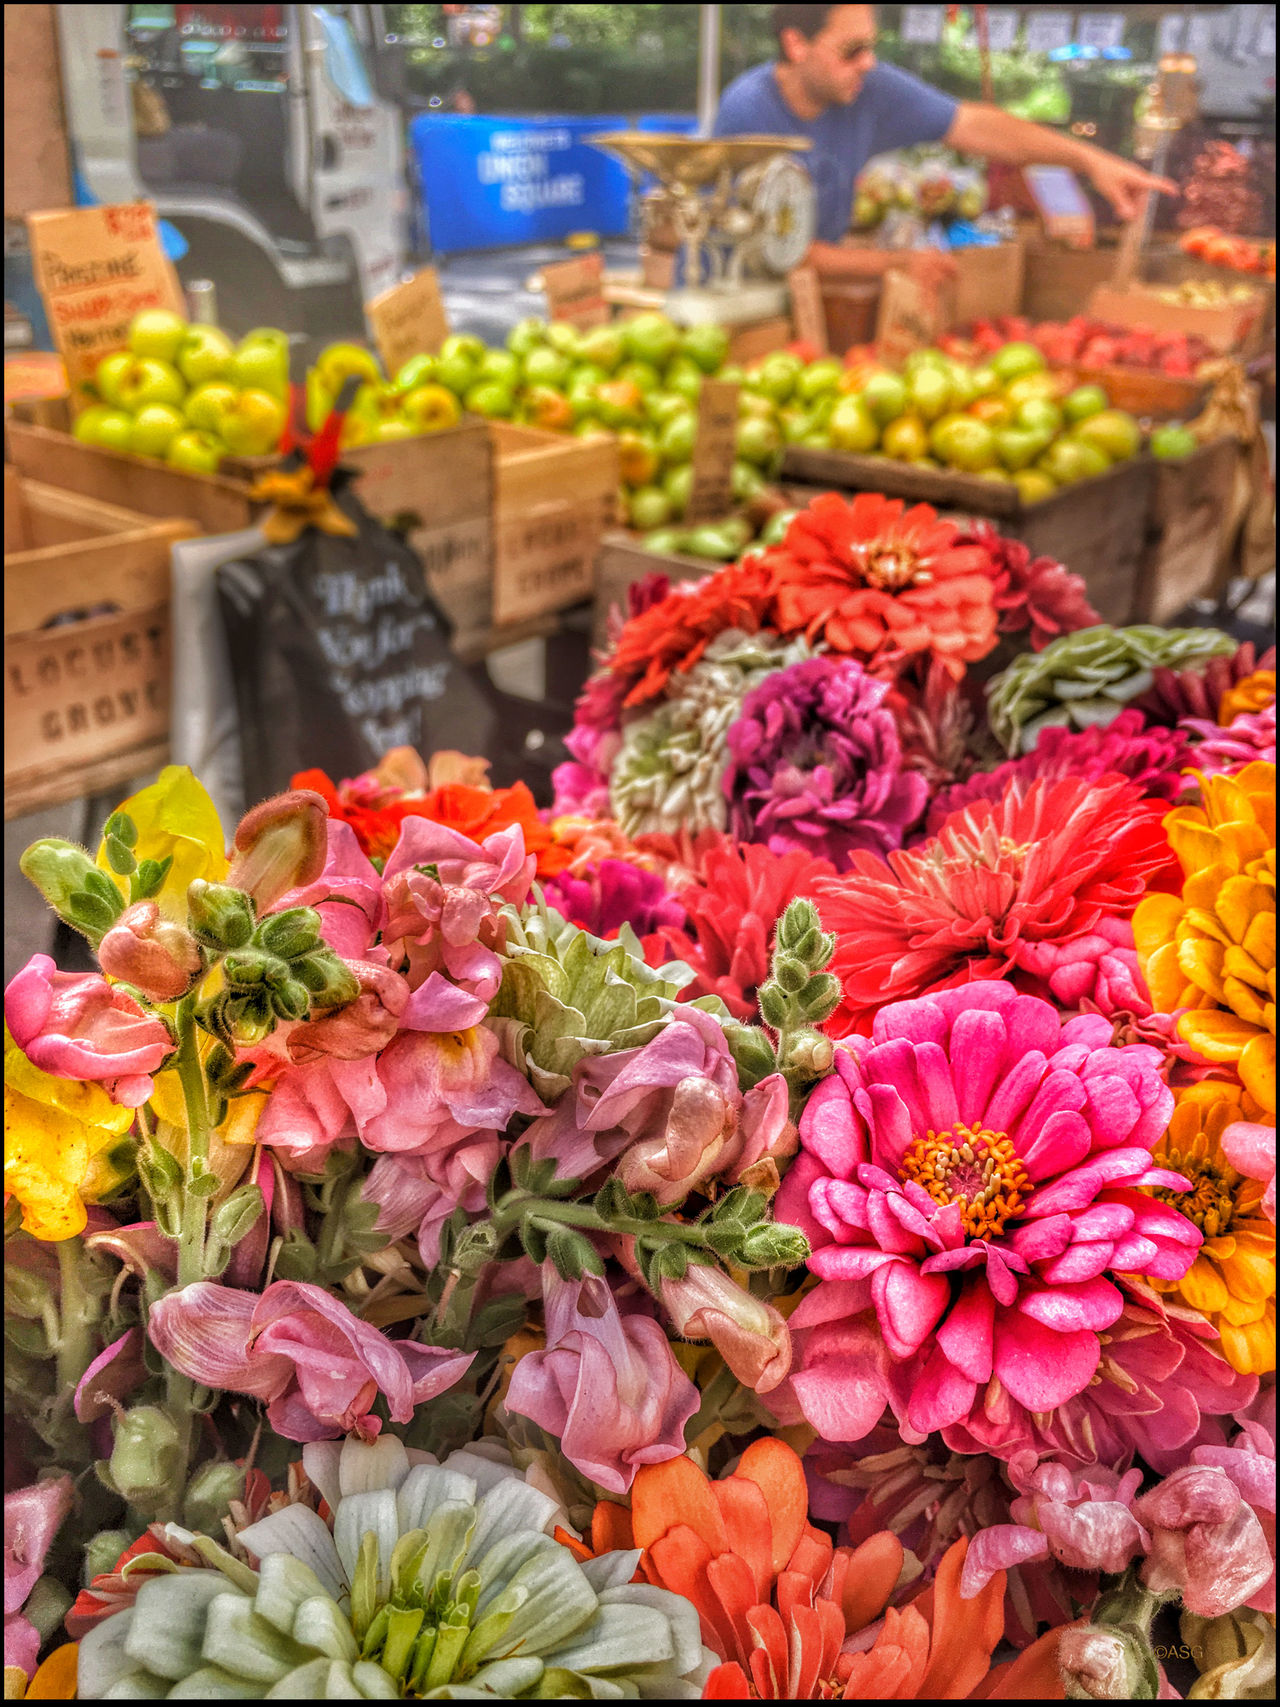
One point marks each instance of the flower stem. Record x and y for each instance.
(191, 1240)
(583, 1215)
(73, 1326)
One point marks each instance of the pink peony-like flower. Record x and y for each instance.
(1249, 736)
(75, 1025)
(816, 764)
(582, 783)
(32, 1517)
(1212, 1526)
(1150, 756)
(612, 893)
(443, 892)
(318, 1367)
(968, 1179)
(1097, 971)
(607, 1386)
(1083, 1519)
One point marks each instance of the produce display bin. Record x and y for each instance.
(1097, 527)
(553, 498)
(86, 643)
(623, 561)
(1190, 511)
(217, 503)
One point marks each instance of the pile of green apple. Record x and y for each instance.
(1009, 419)
(381, 410)
(188, 395)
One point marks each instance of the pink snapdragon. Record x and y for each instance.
(32, 1517)
(1083, 1520)
(607, 1385)
(157, 955)
(750, 1334)
(347, 894)
(75, 1025)
(299, 1349)
(969, 1178)
(443, 892)
(417, 1194)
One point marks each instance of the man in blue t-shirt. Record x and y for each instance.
(826, 85)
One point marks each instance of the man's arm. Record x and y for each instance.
(997, 135)
(843, 261)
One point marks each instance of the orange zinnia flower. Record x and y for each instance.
(674, 633)
(1252, 694)
(780, 1603)
(877, 581)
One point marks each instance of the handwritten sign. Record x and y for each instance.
(910, 318)
(575, 291)
(807, 313)
(409, 320)
(1048, 31)
(96, 268)
(714, 448)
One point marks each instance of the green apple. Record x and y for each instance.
(707, 345)
(457, 370)
(156, 333)
(1017, 448)
(818, 377)
(963, 443)
(545, 366)
(1010, 361)
(204, 354)
(108, 374)
(1095, 461)
(677, 483)
(549, 409)
(758, 442)
(254, 423)
(795, 422)
(930, 393)
(195, 452)
(89, 420)
(906, 439)
(638, 461)
(464, 344)
(986, 381)
(429, 408)
(335, 365)
(648, 507)
(619, 403)
(392, 428)
(928, 358)
(1171, 442)
(585, 377)
(1064, 462)
(1029, 385)
(963, 389)
(852, 427)
(1113, 432)
(492, 399)
(155, 426)
(732, 374)
(746, 482)
(1084, 401)
(562, 335)
(261, 363)
(526, 335)
(676, 441)
(149, 380)
(643, 375)
(650, 338)
(776, 376)
(207, 404)
(1033, 485)
(684, 377)
(418, 370)
(603, 347)
(757, 404)
(884, 396)
(664, 406)
(500, 365)
(114, 430)
(1038, 415)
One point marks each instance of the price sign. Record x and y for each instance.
(96, 268)
(1102, 30)
(1048, 31)
(922, 23)
(409, 320)
(1172, 33)
(910, 318)
(1200, 35)
(575, 291)
(807, 313)
(714, 448)
(1002, 30)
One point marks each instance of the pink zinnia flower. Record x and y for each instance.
(1152, 757)
(614, 892)
(816, 764)
(607, 1386)
(1042, 865)
(1251, 1149)
(318, 1367)
(75, 1025)
(968, 1178)
(1249, 736)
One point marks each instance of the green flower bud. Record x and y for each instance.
(209, 1493)
(808, 1052)
(247, 967)
(752, 1052)
(771, 1244)
(820, 997)
(774, 1007)
(338, 984)
(290, 934)
(101, 1554)
(146, 1457)
(291, 999)
(792, 975)
(219, 916)
(1107, 1662)
(800, 917)
(68, 879)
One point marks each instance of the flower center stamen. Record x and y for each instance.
(977, 1169)
(1211, 1202)
(889, 568)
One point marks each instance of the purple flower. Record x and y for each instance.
(817, 764)
(1153, 757)
(1250, 736)
(612, 893)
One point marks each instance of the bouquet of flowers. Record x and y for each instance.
(793, 1221)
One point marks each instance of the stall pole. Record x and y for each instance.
(708, 67)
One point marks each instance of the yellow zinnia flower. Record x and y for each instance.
(1233, 1279)
(1212, 950)
(174, 818)
(57, 1133)
(1252, 694)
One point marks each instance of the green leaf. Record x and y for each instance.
(121, 826)
(119, 857)
(203, 1185)
(87, 910)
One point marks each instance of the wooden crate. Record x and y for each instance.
(1232, 328)
(86, 643)
(1190, 510)
(624, 561)
(1098, 527)
(553, 498)
(989, 282)
(217, 504)
(1058, 282)
(1142, 392)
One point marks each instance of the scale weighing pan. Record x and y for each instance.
(694, 160)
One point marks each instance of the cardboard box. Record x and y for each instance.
(1228, 329)
(1098, 528)
(1057, 281)
(989, 282)
(86, 644)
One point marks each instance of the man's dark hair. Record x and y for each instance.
(809, 20)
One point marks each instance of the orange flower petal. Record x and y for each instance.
(778, 1473)
(676, 1492)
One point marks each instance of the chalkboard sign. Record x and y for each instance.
(339, 652)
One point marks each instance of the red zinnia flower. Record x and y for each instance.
(878, 581)
(1039, 866)
(1033, 593)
